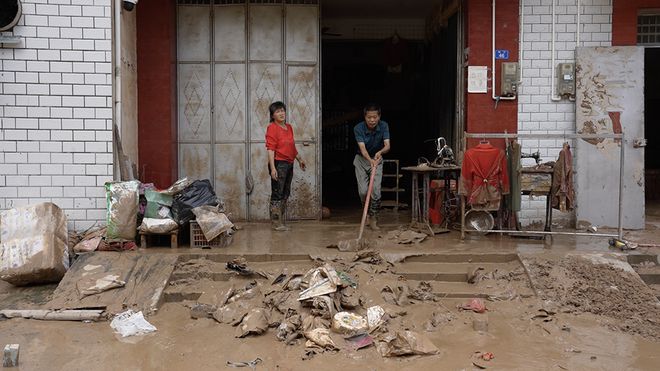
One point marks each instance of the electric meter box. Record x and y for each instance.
(566, 79)
(509, 86)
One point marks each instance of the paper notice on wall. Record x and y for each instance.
(477, 79)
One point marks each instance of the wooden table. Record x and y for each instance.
(540, 189)
(420, 210)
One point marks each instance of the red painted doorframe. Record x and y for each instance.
(157, 104)
(481, 114)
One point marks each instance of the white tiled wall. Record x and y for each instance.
(56, 108)
(537, 113)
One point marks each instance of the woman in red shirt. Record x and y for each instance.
(282, 152)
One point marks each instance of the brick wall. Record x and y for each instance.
(56, 108)
(537, 113)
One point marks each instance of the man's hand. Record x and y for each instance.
(273, 174)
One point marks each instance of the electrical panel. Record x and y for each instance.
(509, 86)
(566, 80)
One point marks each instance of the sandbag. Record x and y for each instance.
(158, 226)
(199, 193)
(33, 247)
(122, 202)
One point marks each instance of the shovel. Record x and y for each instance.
(359, 243)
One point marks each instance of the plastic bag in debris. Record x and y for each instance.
(122, 203)
(158, 204)
(199, 193)
(403, 343)
(130, 323)
(98, 281)
(177, 187)
(211, 221)
(34, 244)
(254, 323)
(158, 226)
(320, 337)
(375, 316)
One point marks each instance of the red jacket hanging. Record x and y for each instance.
(484, 177)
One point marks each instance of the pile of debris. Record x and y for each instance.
(321, 309)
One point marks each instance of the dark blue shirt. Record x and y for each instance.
(374, 140)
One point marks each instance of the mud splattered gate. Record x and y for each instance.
(235, 57)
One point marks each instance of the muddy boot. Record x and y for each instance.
(277, 217)
(373, 223)
(283, 217)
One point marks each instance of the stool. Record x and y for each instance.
(173, 238)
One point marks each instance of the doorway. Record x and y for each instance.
(403, 58)
(652, 129)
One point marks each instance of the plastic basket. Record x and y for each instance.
(198, 240)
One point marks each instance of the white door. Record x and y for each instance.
(234, 59)
(610, 99)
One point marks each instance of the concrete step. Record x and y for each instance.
(448, 272)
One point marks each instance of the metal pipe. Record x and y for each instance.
(621, 170)
(504, 231)
(492, 67)
(117, 85)
(543, 136)
(577, 38)
(553, 97)
(520, 43)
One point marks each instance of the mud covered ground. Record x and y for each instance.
(577, 284)
(588, 316)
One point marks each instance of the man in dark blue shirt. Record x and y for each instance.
(373, 138)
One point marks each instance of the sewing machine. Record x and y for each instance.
(536, 156)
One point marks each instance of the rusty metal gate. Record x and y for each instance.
(235, 57)
(610, 99)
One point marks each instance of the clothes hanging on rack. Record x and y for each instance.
(484, 177)
(562, 190)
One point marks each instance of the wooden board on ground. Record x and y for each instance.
(146, 276)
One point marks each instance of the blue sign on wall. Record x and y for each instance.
(501, 54)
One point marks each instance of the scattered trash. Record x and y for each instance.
(474, 274)
(545, 314)
(349, 324)
(88, 240)
(239, 265)
(320, 337)
(232, 313)
(177, 187)
(322, 287)
(87, 245)
(33, 244)
(398, 296)
(97, 282)
(573, 350)
(375, 316)
(254, 323)
(131, 323)
(251, 364)
(423, 292)
(10, 355)
(54, 315)
(436, 320)
(106, 245)
(404, 343)
(122, 204)
(622, 245)
(199, 310)
(487, 356)
(359, 341)
(476, 305)
(406, 236)
(289, 330)
(350, 298)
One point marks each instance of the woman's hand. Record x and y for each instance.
(302, 164)
(273, 174)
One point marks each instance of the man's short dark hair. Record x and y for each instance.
(275, 106)
(371, 107)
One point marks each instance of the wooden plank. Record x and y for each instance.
(146, 276)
